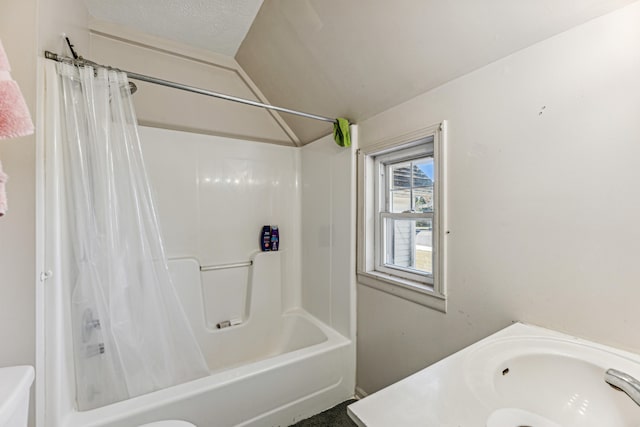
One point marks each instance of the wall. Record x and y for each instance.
(328, 238)
(543, 207)
(17, 233)
(220, 192)
(213, 195)
(169, 108)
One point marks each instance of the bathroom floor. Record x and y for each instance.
(334, 417)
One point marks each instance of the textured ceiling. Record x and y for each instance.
(216, 25)
(357, 58)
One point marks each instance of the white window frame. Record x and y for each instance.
(418, 149)
(425, 289)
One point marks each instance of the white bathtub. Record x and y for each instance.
(277, 390)
(274, 368)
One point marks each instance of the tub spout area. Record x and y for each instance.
(624, 382)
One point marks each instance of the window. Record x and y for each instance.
(404, 220)
(401, 207)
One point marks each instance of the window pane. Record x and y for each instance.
(410, 186)
(423, 199)
(400, 201)
(400, 174)
(423, 172)
(408, 244)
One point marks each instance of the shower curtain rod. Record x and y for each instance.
(84, 62)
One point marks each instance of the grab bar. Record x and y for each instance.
(225, 266)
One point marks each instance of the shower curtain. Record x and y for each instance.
(130, 333)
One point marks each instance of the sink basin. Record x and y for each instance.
(522, 375)
(510, 417)
(560, 381)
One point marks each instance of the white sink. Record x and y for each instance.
(15, 383)
(560, 380)
(520, 376)
(510, 417)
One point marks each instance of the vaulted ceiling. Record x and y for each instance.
(358, 58)
(352, 58)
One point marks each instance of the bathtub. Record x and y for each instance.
(308, 378)
(274, 368)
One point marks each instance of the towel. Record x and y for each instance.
(15, 119)
(341, 132)
(3, 194)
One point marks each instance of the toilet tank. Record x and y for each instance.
(15, 383)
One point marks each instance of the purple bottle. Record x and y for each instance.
(275, 238)
(265, 238)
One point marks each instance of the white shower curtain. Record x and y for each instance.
(130, 333)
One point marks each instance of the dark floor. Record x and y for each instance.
(334, 417)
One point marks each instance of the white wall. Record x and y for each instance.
(214, 194)
(543, 200)
(328, 258)
(17, 234)
(168, 108)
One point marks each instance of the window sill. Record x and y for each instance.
(406, 289)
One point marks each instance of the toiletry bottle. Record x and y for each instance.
(265, 238)
(275, 238)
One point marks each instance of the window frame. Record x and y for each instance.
(382, 189)
(427, 290)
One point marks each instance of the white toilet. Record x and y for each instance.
(169, 423)
(15, 383)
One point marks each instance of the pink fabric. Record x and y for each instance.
(4, 61)
(3, 192)
(15, 119)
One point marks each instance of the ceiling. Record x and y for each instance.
(216, 25)
(358, 58)
(352, 58)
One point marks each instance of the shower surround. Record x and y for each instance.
(291, 351)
